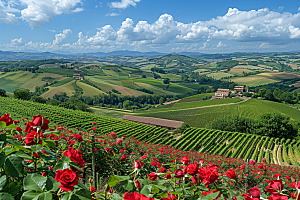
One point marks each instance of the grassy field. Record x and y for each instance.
(253, 80)
(219, 75)
(88, 90)
(173, 86)
(239, 71)
(192, 105)
(202, 116)
(197, 97)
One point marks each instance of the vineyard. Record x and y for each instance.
(214, 142)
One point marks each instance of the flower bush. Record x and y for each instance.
(38, 162)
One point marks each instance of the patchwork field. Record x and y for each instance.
(253, 80)
(219, 75)
(88, 90)
(239, 71)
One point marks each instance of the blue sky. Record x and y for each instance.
(214, 26)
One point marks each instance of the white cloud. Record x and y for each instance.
(38, 12)
(59, 38)
(124, 3)
(77, 10)
(112, 14)
(299, 9)
(6, 14)
(220, 44)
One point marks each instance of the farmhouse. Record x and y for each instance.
(164, 123)
(238, 89)
(221, 94)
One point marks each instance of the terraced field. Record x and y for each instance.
(235, 145)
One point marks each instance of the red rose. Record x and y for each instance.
(78, 137)
(275, 186)
(208, 175)
(255, 192)
(185, 160)
(152, 176)
(136, 196)
(19, 129)
(123, 157)
(38, 121)
(138, 184)
(168, 176)
(171, 197)
(138, 164)
(252, 162)
(279, 197)
(231, 174)
(32, 137)
(67, 178)
(179, 173)
(248, 197)
(153, 163)
(92, 189)
(192, 169)
(75, 156)
(6, 118)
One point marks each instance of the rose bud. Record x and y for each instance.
(138, 184)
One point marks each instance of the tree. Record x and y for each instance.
(2, 93)
(269, 95)
(277, 93)
(23, 94)
(166, 81)
(127, 104)
(38, 99)
(161, 100)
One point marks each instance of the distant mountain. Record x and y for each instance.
(126, 53)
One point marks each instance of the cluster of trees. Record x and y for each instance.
(269, 124)
(285, 85)
(25, 65)
(127, 102)
(278, 95)
(159, 70)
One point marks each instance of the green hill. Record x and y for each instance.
(200, 117)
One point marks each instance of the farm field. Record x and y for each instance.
(201, 117)
(229, 144)
(253, 80)
(239, 71)
(219, 75)
(88, 90)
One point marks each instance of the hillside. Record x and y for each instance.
(200, 117)
(236, 145)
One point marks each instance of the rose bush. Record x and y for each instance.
(57, 163)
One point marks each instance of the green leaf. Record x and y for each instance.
(3, 124)
(123, 178)
(13, 166)
(52, 184)
(240, 198)
(113, 180)
(66, 196)
(2, 136)
(23, 155)
(211, 196)
(36, 148)
(202, 187)
(31, 195)
(161, 187)
(34, 182)
(19, 146)
(74, 164)
(2, 159)
(13, 188)
(52, 132)
(146, 190)
(163, 195)
(154, 190)
(63, 163)
(81, 194)
(6, 196)
(11, 126)
(128, 185)
(45, 196)
(50, 142)
(3, 181)
(162, 181)
(115, 196)
(143, 182)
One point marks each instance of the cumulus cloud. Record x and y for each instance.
(38, 12)
(112, 14)
(77, 10)
(220, 44)
(124, 4)
(59, 38)
(6, 14)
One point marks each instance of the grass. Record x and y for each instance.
(171, 77)
(108, 113)
(129, 83)
(219, 75)
(173, 86)
(201, 117)
(110, 72)
(154, 89)
(253, 81)
(62, 82)
(195, 86)
(88, 90)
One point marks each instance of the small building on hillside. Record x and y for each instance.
(221, 93)
(238, 89)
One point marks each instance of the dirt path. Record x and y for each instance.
(275, 154)
(171, 102)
